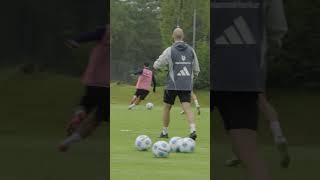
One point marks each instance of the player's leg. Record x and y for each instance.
(272, 116)
(165, 120)
(168, 99)
(134, 99)
(96, 110)
(78, 116)
(137, 101)
(244, 142)
(239, 112)
(191, 119)
(80, 112)
(185, 99)
(86, 127)
(134, 103)
(142, 96)
(196, 102)
(89, 125)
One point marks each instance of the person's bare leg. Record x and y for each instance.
(165, 120)
(85, 129)
(188, 111)
(272, 116)
(133, 99)
(135, 102)
(186, 106)
(244, 143)
(88, 127)
(196, 102)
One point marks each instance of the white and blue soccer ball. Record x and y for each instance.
(161, 149)
(174, 143)
(143, 143)
(149, 105)
(186, 145)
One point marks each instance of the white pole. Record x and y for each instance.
(194, 27)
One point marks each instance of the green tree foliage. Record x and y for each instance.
(135, 36)
(298, 64)
(34, 32)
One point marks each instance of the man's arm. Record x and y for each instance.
(91, 36)
(276, 24)
(154, 82)
(86, 37)
(163, 59)
(139, 72)
(196, 68)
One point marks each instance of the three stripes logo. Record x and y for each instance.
(237, 34)
(184, 72)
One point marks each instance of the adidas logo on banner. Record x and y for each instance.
(238, 33)
(184, 72)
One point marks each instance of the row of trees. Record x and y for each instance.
(298, 64)
(33, 32)
(135, 36)
(142, 29)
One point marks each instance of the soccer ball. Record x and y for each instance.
(174, 144)
(149, 105)
(186, 145)
(143, 143)
(161, 149)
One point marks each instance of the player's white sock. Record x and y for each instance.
(131, 106)
(192, 128)
(276, 131)
(165, 130)
(197, 103)
(75, 137)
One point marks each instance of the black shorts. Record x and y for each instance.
(239, 110)
(141, 93)
(97, 99)
(170, 96)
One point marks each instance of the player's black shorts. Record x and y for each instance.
(170, 96)
(97, 99)
(239, 110)
(141, 93)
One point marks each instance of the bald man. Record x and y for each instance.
(183, 66)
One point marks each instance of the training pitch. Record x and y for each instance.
(34, 111)
(129, 163)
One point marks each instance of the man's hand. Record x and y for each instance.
(195, 77)
(72, 44)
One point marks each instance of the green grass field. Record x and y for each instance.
(128, 163)
(35, 108)
(305, 163)
(34, 111)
